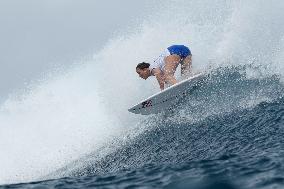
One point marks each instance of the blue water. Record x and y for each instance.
(239, 145)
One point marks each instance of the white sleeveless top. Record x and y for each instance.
(160, 61)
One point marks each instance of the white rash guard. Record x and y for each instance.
(160, 61)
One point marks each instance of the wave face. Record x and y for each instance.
(74, 128)
(239, 145)
(242, 136)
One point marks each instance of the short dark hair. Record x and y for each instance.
(143, 65)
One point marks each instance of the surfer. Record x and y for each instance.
(164, 67)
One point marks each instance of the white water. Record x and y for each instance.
(76, 112)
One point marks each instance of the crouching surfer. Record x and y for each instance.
(164, 67)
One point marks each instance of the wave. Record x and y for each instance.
(222, 117)
(80, 111)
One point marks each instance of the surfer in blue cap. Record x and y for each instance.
(164, 67)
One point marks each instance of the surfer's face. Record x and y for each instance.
(143, 73)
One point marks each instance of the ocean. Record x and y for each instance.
(71, 129)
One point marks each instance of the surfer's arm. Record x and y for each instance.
(160, 78)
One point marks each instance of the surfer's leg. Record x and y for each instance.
(186, 65)
(172, 62)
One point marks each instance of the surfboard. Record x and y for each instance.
(168, 97)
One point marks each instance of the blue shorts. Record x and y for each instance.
(180, 50)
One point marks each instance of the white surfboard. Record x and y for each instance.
(168, 97)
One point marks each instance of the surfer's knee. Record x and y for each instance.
(170, 79)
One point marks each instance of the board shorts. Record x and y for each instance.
(180, 50)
